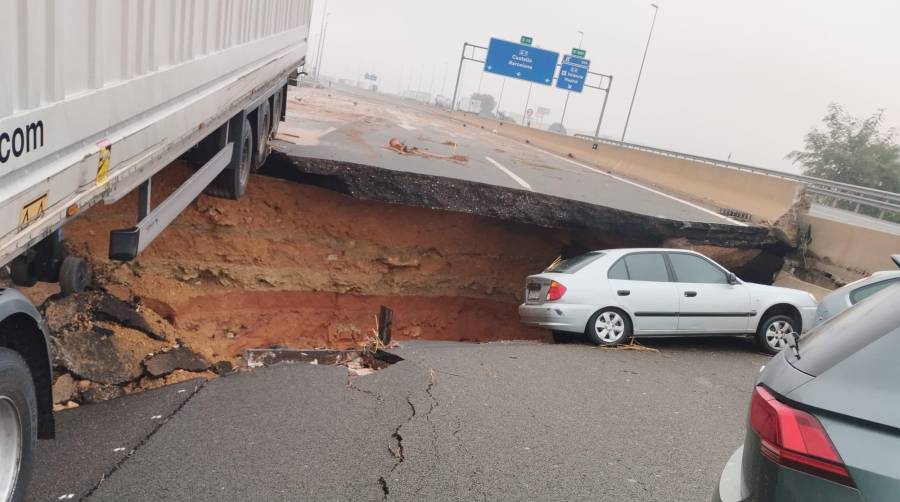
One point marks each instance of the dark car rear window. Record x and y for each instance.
(572, 265)
(848, 332)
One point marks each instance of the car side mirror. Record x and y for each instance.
(732, 279)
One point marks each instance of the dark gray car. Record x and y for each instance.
(824, 419)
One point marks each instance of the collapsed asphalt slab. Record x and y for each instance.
(366, 182)
(452, 421)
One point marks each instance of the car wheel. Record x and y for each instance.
(608, 327)
(775, 332)
(18, 431)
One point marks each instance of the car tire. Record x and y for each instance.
(773, 332)
(18, 425)
(608, 327)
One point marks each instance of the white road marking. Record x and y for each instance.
(511, 174)
(623, 180)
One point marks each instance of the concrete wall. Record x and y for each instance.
(853, 247)
(765, 197)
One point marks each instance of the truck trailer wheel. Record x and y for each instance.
(232, 183)
(18, 421)
(21, 273)
(263, 130)
(277, 101)
(74, 275)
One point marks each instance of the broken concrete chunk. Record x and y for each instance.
(178, 359)
(99, 392)
(63, 388)
(104, 355)
(110, 308)
(77, 312)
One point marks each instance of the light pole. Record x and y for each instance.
(322, 46)
(641, 70)
(562, 120)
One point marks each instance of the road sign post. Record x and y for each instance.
(526, 114)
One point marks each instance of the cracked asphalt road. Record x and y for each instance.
(453, 421)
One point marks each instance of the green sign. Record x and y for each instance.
(579, 52)
(527, 40)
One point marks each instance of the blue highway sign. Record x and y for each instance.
(520, 61)
(572, 73)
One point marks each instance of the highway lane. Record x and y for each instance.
(856, 219)
(357, 128)
(452, 421)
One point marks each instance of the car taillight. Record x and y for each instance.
(556, 291)
(795, 439)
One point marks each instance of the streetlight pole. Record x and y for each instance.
(562, 120)
(321, 37)
(641, 70)
(322, 46)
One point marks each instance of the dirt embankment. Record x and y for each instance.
(306, 267)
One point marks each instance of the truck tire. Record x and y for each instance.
(263, 131)
(277, 101)
(18, 426)
(74, 275)
(21, 273)
(232, 183)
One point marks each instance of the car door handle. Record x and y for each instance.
(690, 294)
(623, 292)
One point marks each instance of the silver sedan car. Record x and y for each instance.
(855, 292)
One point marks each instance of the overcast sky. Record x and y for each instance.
(746, 78)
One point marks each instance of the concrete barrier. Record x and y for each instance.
(765, 197)
(852, 247)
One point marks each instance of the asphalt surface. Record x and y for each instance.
(356, 127)
(452, 421)
(856, 219)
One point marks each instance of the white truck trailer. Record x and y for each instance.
(96, 96)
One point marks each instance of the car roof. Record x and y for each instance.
(623, 251)
(853, 359)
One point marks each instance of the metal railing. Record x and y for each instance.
(832, 191)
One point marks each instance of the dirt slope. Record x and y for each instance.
(305, 267)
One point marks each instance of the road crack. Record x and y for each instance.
(143, 441)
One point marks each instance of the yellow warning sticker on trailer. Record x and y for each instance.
(32, 211)
(103, 164)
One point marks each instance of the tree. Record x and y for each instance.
(487, 103)
(853, 151)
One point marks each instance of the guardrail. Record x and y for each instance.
(885, 202)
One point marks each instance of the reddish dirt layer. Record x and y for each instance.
(305, 267)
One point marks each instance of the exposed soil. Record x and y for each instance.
(302, 266)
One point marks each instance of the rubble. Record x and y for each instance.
(180, 358)
(63, 388)
(110, 346)
(104, 353)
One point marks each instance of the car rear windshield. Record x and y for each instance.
(572, 265)
(845, 334)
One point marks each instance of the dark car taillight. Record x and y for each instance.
(795, 439)
(556, 291)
